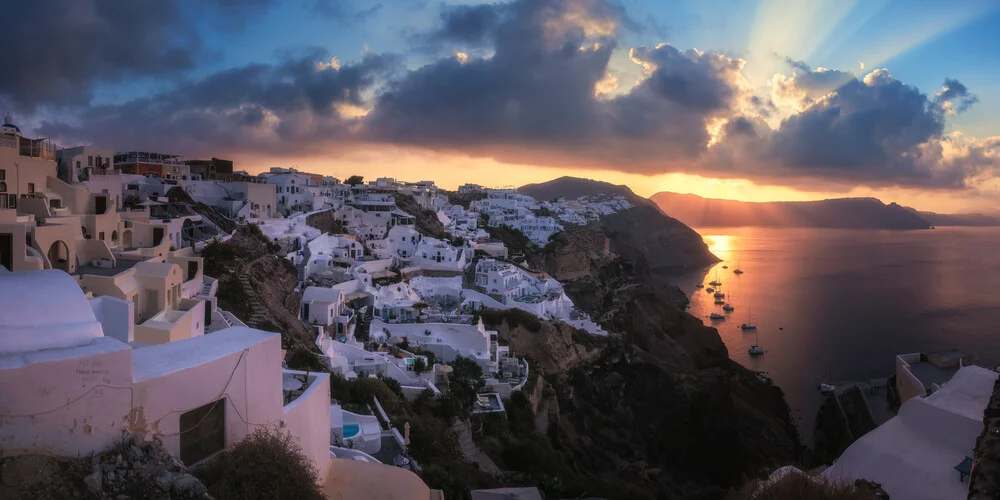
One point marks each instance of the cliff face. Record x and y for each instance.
(657, 409)
(650, 239)
(847, 213)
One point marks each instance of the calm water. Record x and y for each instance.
(840, 304)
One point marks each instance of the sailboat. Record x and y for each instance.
(737, 270)
(756, 349)
(728, 307)
(715, 316)
(749, 325)
(716, 281)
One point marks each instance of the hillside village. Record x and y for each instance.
(159, 312)
(116, 328)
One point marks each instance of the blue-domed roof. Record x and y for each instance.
(11, 125)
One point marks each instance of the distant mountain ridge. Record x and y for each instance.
(843, 213)
(936, 219)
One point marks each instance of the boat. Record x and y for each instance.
(715, 316)
(756, 349)
(719, 302)
(709, 289)
(728, 308)
(699, 285)
(725, 267)
(718, 295)
(737, 270)
(716, 281)
(749, 325)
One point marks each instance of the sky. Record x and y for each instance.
(757, 100)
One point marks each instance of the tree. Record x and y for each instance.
(419, 307)
(354, 180)
(419, 366)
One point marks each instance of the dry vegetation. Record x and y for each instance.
(267, 464)
(800, 487)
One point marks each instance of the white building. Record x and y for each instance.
(407, 247)
(537, 229)
(290, 189)
(326, 306)
(332, 250)
(512, 286)
(67, 388)
(913, 455)
(79, 163)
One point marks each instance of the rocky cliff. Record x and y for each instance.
(650, 239)
(655, 410)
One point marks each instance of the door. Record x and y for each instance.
(7, 251)
(100, 204)
(157, 235)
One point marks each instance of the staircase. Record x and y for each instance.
(257, 315)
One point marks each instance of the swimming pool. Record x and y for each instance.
(351, 430)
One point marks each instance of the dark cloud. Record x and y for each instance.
(295, 105)
(58, 50)
(339, 10)
(533, 89)
(955, 97)
(536, 95)
(876, 131)
(469, 25)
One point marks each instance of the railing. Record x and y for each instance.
(8, 142)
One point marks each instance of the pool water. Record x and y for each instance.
(351, 430)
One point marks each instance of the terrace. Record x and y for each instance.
(106, 267)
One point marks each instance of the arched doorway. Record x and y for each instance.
(269, 211)
(127, 238)
(114, 238)
(59, 255)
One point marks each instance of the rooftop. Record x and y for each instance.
(119, 266)
(156, 361)
(44, 310)
(913, 454)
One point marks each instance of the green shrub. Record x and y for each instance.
(266, 464)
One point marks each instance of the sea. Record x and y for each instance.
(836, 306)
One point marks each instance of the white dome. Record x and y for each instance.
(44, 310)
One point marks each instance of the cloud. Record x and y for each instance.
(536, 97)
(954, 97)
(806, 85)
(59, 49)
(877, 131)
(529, 82)
(468, 25)
(337, 10)
(296, 105)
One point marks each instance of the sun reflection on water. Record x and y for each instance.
(720, 244)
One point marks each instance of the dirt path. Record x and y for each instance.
(470, 451)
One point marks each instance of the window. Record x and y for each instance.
(31, 187)
(90, 161)
(78, 164)
(100, 235)
(203, 431)
(3, 174)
